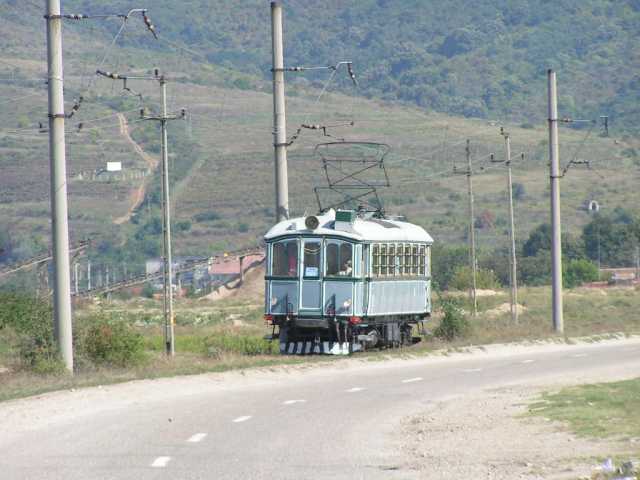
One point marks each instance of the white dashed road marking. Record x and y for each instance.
(471, 370)
(161, 462)
(354, 389)
(411, 380)
(198, 437)
(527, 361)
(242, 419)
(293, 402)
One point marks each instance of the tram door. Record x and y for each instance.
(310, 283)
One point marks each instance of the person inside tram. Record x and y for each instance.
(346, 269)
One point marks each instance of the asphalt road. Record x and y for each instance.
(339, 421)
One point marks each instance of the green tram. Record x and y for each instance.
(345, 281)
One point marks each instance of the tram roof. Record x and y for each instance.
(361, 229)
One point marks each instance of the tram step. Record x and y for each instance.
(313, 348)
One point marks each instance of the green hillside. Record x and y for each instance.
(221, 159)
(472, 58)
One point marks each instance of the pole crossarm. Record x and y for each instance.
(122, 16)
(334, 68)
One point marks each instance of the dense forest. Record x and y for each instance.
(473, 58)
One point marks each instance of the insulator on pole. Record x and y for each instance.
(150, 26)
(352, 74)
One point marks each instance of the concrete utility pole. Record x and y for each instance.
(167, 270)
(75, 277)
(169, 320)
(472, 233)
(59, 212)
(556, 243)
(279, 118)
(88, 274)
(512, 234)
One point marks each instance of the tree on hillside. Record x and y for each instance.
(445, 260)
(612, 238)
(540, 240)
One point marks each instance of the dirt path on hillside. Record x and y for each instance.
(139, 193)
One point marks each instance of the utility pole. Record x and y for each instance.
(169, 321)
(75, 277)
(599, 259)
(88, 274)
(512, 233)
(472, 234)
(63, 328)
(279, 118)
(556, 244)
(167, 270)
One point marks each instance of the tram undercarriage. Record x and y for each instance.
(343, 336)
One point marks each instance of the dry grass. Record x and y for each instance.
(588, 312)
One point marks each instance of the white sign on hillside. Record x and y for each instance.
(114, 166)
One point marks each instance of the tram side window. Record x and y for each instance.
(391, 260)
(414, 263)
(383, 259)
(375, 256)
(285, 259)
(407, 259)
(422, 260)
(339, 259)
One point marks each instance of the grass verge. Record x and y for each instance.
(227, 335)
(603, 410)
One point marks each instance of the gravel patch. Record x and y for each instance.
(489, 435)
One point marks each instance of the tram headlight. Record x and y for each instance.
(311, 222)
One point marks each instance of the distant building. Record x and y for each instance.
(197, 277)
(206, 274)
(229, 269)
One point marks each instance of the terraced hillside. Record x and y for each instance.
(221, 159)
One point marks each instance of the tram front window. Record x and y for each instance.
(312, 259)
(285, 259)
(339, 259)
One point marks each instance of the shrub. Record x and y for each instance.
(454, 324)
(217, 343)
(518, 191)
(31, 319)
(147, 290)
(578, 272)
(183, 226)
(485, 278)
(108, 341)
(206, 216)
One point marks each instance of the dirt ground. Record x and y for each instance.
(494, 438)
(252, 289)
